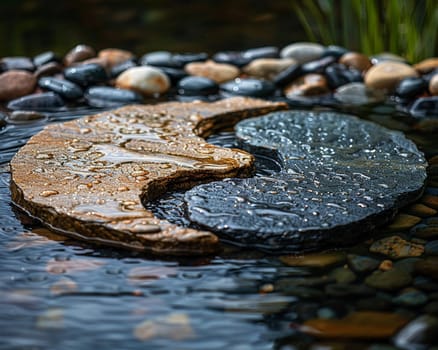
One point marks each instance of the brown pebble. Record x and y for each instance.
(79, 53)
(387, 75)
(357, 325)
(403, 222)
(420, 210)
(307, 85)
(433, 85)
(385, 265)
(433, 160)
(430, 201)
(25, 116)
(356, 60)
(427, 65)
(428, 267)
(114, 56)
(314, 260)
(48, 69)
(16, 83)
(219, 72)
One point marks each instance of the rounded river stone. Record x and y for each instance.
(340, 178)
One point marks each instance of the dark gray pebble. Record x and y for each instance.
(288, 75)
(411, 87)
(62, 87)
(248, 87)
(411, 297)
(418, 334)
(318, 66)
(197, 86)
(121, 67)
(161, 59)
(425, 107)
(231, 57)
(334, 51)
(373, 303)
(362, 264)
(345, 290)
(105, 96)
(185, 58)
(17, 63)
(86, 74)
(23, 117)
(338, 75)
(38, 102)
(174, 74)
(431, 248)
(45, 57)
(261, 52)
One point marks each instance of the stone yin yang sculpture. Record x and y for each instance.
(340, 177)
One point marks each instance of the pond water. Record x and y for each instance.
(57, 293)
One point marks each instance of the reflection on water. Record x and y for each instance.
(28, 27)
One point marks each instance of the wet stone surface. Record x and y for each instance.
(340, 177)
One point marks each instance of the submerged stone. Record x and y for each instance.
(85, 177)
(106, 96)
(340, 178)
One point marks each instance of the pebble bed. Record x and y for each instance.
(379, 295)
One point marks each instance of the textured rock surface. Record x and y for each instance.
(85, 177)
(340, 178)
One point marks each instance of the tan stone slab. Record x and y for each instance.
(87, 178)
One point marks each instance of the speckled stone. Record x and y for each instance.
(16, 83)
(427, 65)
(396, 247)
(219, 72)
(145, 80)
(267, 68)
(387, 75)
(356, 60)
(389, 280)
(303, 52)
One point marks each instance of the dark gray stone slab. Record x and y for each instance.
(340, 178)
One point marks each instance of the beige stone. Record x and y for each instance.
(433, 85)
(387, 75)
(427, 65)
(145, 80)
(115, 56)
(219, 72)
(267, 68)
